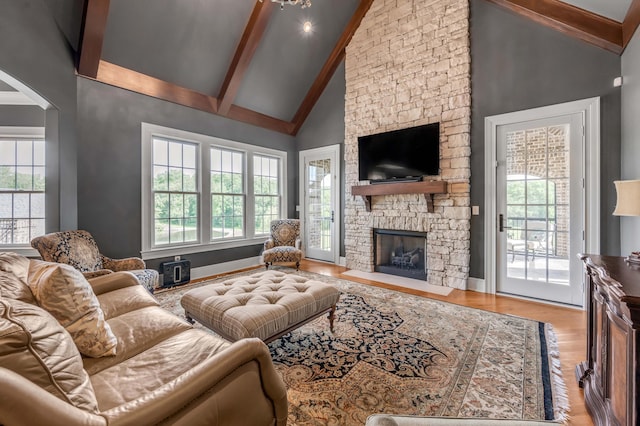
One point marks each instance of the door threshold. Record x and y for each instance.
(543, 301)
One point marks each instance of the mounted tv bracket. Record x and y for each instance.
(426, 188)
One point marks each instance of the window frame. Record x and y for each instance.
(203, 168)
(172, 192)
(28, 132)
(277, 196)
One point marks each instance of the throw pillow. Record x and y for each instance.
(11, 287)
(34, 345)
(67, 295)
(15, 264)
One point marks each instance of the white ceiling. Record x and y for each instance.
(613, 9)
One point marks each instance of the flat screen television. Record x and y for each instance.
(406, 154)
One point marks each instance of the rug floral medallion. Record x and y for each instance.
(391, 352)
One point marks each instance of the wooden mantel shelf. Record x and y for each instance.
(428, 188)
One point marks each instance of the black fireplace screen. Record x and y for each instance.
(401, 253)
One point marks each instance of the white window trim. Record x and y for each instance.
(148, 131)
(22, 132)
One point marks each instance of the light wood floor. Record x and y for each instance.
(569, 325)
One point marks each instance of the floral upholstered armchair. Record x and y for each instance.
(284, 244)
(79, 249)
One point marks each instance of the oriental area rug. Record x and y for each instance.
(397, 353)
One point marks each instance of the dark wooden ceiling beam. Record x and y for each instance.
(134, 81)
(582, 24)
(249, 42)
(631, 22)
(261, 120)
(329, 68)
(94, 23)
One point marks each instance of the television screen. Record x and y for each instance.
(400, 154)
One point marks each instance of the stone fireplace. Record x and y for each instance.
(402, 253)
(407, 65)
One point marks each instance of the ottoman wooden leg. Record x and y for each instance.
(188, 317)
(331, 317)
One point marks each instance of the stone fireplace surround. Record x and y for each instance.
(407, 65)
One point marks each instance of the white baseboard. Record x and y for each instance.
(222, 268)
(476, 284)
(342, 261)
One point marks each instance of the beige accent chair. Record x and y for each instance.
(80, 250)
(163, 372)
(284, 244)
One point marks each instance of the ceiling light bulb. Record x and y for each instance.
(306, 27)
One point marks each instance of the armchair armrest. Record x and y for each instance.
(25, 403)
(269, 244)
(127, 264)
(214, 392)
(298, 243)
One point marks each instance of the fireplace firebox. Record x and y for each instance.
(402, 253)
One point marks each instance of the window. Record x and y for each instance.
(227, 193)
(22, 188)
(175, 194)
(266, 187)
(203, 193)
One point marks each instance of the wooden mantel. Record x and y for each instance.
(428, 188)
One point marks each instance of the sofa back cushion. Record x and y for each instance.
(14, 270)
(75, 248)
(65, 293)
(34, 345)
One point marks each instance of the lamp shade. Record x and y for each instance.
(628, 202)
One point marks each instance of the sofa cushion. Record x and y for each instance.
(157, 366)
(34, 345)
(67, 295)
(137, 331)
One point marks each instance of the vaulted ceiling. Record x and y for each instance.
(251, 61)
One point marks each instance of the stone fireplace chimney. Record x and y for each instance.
(407, 65)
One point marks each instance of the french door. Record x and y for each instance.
(540, 208)
(320, 200)
(542, 197)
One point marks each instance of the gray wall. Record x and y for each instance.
(35, 51)
(325, 126)
(21, 115)
(109, 174)
(517, 64)
(630, 226)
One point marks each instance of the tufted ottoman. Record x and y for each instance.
(266, 305)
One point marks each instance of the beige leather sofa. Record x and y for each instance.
(163, 371)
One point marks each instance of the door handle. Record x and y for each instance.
(333, 216)
(501, 226)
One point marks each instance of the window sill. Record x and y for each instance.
(21, 250)
(200, 248)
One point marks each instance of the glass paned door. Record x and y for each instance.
(320, 195)
(540, 208)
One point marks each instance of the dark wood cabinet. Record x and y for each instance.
(610, 376)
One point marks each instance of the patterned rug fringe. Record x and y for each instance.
(560, 396)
